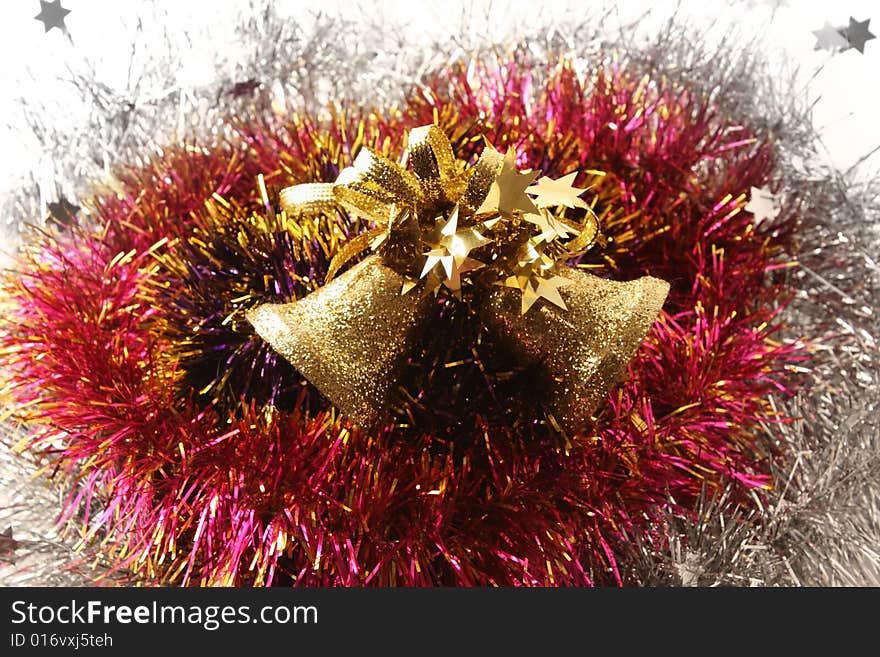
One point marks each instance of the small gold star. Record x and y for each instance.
(450, 248)
(551, 227)
(534, 277)
(538, 287)
(550, 192)
(508, 192)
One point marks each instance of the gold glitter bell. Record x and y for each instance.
(586, 348)
(349, 337)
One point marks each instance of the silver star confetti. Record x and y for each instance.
(52, 15)
(856, 34)
(829, 38)
(762, 204)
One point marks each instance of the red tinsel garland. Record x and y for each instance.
(196, 455)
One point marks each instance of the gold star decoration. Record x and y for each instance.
(549, 192)
(508, 192)
(540, 287)
(551, 228)
(449, 249)
(415, 231)
(534, 277)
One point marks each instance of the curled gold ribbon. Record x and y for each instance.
(485, 172)
(308, 198)
(374, 187)
(374, 183)
(587, 235)
(350, 249)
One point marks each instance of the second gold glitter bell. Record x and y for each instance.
(584, 349)
(349, 337)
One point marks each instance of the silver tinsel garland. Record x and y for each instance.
(822, 523)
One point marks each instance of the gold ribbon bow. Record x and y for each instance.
(490, 225)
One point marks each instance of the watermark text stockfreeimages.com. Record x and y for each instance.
(210, 617)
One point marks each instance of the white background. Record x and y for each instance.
(33, 63)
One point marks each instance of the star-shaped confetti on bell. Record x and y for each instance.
(450, 248)
(830, 38)
(561, 191)
(534, 276)
(52, 15)
(856, 34)
(540, 287)
(762, 204)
